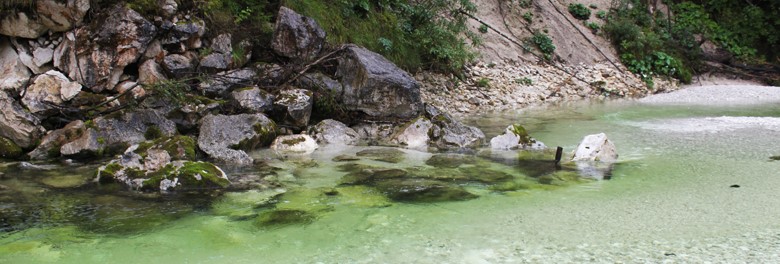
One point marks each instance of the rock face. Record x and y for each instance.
(375, 86)
(295, 106)
(515, 137)
(13, 74)
(35, 55)
(94, 58)
(596, 147)
(297, 37)
(330, 131)
(108, 134)
(179, 65)
(252, 100)
(294, 144)
(50, 88)
(223, 137)
(18, 125)
(50, 15)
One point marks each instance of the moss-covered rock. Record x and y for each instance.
(9, 149)
(284, 217)
(178, 175)
(362, 196)
(450, 160)
(309, 200)
(420, 190)
(120, 215)
(65, 181)
(485, 175)
(242, 205)
(390, 155)
(367, 176)
(561, 177)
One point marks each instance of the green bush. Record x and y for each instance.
(544, 43)
(483, 82)
(601, 14)
(593, 26)
(424, 34)
(579, 11)
(528, 16)
(483, 28)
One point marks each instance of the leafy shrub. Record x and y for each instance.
(601, 14)
(424, 34)
(579, 11)
(524, 81)
(544, 43)
(483, 28)
(524, 3)
(528, 16)
(483, 82)
(593, 26)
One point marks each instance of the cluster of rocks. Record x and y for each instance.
(56, 81)
(496, 87)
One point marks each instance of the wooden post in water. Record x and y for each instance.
(558, 155)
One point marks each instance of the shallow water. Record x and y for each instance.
(670, 198)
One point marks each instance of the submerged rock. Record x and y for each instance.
(362, 196)
(285, 217)
(450, 160)
(419, 190)
(390, 155)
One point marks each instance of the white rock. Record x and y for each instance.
(414, 135)
(294, 144)
(596, 147)
(51, 87)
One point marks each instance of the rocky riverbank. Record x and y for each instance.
(491, 87)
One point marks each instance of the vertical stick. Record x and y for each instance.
(558, 154)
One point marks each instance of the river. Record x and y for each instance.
(694, 183)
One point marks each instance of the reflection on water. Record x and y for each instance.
(373, 204)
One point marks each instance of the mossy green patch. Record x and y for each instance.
(293, 141)
(153, 132)
(362, 196)
(485, 175)
(450, 160)
(265, 134)
(284, 217)
(420, 190)
(308, 200)
(201, 174)
(9, 149)
(520, 131)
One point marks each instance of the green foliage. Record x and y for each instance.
(244, 19)
(593, 6)
(173, 91)
(579, 11)
(544, 43)
(650, 45)
(593, 26)
(483, 28)
(528, 16)
(525, 3)
(483, 82)
(412, 34)
(147, 8)
(601, 14)
(524, 81)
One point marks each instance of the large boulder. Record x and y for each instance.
(9, 149)
(294, 106)
(16, 124)
(297, 37)
(294, 144)
(96, 57)
(333, 132)
(224, 138)
(321, 83)
(376, 87)
(13, 74)
(252, 100)
(49, 90)
(515, 137)
(113, 133)
(224, 82)
(21, 25)
(150, 73)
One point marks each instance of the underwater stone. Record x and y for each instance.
(420, 190)
(389, 155)
(281, 218)
(450, 160)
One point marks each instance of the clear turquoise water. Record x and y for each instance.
(670, 185)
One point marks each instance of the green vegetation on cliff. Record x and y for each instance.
(651, 43)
